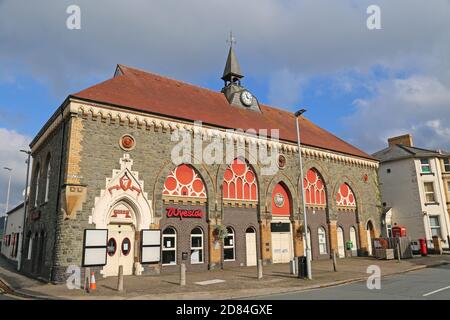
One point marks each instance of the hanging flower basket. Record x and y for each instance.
(220, 232)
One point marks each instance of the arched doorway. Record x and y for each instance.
(341, 242)
(121, 234)
(250, 245)
(370, 236)
(281, 228)
(354, 241)
(316, 209)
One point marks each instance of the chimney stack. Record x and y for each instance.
(405, 140)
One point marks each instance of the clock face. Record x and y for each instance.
(246, 98)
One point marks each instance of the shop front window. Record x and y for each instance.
(197, 246)
(228, 246)
(322, 241)
(169, 249)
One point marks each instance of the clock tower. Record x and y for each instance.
(235, 93)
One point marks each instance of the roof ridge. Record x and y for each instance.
(405, 148)
(169, 78)
(423, 149)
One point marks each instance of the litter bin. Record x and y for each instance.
(302, 270)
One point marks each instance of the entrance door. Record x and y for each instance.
(369, 237)
(341, 245)
(250, 244)
(120, 249)
(354, 241)
(281, 242)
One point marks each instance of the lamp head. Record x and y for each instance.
(299, 112)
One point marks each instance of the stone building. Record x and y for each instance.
(104, 161)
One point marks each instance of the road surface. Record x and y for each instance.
(425, 284)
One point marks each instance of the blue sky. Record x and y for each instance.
(362, 85)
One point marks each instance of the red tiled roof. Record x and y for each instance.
(148, 92)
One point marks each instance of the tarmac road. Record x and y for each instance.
(426, 284)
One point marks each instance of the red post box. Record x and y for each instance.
(423, 247)
(398, 231)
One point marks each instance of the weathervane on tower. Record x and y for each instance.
(231, 40)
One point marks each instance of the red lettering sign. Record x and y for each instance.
(182, 213)
(121, 212)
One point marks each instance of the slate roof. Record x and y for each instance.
(135, 89)
(399, 151)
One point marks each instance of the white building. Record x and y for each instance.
(13, 232)
(412, 188)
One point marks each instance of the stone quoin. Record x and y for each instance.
(105, 158)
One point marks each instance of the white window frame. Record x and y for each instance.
(438, 227)
(198, 235)
(47, 180)
(429, 192)
(448, 189)
(322, 241)
(426, 165)
(233, 246)
(447, 165)
(174, 236)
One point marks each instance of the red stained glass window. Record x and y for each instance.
(314, 188)
(345, 196)
(239, 182)
(183, 181)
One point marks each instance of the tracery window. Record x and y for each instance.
(239, 182)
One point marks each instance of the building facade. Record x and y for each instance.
(13, 232)
(104, 160)
(412, 183)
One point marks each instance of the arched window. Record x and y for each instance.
(314, 188)
(239, 182)
(228, 246)
(169, 249)
(196, 246)
(36, 185)
(281, 200)
(345, 196)
(47, 178)
(184, 181)
(322, 240)
(353, 238)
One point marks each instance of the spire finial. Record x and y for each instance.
(231, 40)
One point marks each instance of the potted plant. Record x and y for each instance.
(220, 233)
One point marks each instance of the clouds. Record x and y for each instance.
(281, 44)
(11, 157)
(419, 105)
(186, 38)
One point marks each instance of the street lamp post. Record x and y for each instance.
(9, 187)
(7, 199)
(25, 198)
(305, 220)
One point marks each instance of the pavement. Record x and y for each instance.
(425, 284)
(240, 282)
